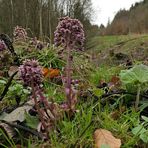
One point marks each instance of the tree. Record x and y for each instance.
(40, 18)
(12, 14)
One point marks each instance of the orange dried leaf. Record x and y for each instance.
(105, 137)
(54, 73)
(45, 71)
(51, 73)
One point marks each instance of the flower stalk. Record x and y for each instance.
(31, 74)
(70, 35)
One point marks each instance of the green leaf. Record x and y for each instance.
(144, 137)
(3, 82)
(143, 106)
(138, 130)
(98, 92)
(32, 121)
(144, 118)
(26, 91)
(136, 75)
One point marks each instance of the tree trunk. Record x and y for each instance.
(26, 14)
(12, 15)
(40, 19)
(50, 26)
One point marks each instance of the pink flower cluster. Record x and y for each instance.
(31, 73)
(69, 32)
(2, 45)
(19, 33)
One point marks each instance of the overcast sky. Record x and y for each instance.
(106, 9)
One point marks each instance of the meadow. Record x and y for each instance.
(107, 83)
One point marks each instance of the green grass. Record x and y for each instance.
(100, 48)
(103, 43)
(104, 73)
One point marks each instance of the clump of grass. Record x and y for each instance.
(104, 73)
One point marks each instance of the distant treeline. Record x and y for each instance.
(40, 17)
(134, 20)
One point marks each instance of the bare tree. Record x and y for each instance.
(50, 6)
(40, 18)
(12, 14)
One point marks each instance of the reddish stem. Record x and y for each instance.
(41, 116)
(68, 75)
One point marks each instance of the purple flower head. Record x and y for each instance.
(69, 32)
(31, 73)
(2, 45)
(19, 33)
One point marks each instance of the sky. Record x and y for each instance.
(106, 9)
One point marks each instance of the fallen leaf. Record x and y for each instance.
(115, 80)
(18, 146)
(54, 73)
(7, 129)
(105, 137)
(114, 83)
(12, 70)
(45, 71)
(117, 113)
(51, 73)
(18, 114)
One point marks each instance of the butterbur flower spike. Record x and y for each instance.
(19, 33)
(69, 32)
(31, 72)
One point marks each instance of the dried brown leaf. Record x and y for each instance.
(12, 70)
(18, 114)
(105, 137)
(7, 129)
(117, 113)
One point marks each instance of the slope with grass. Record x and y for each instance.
(104, 48)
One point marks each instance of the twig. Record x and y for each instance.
(9, 45)
(39, 135)
(106, 96)
(119, 93)
(7, 86)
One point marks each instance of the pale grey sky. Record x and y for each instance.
(106, 9)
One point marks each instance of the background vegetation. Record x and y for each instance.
(129, 21)
(40, 17)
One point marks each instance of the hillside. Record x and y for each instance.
(133, 20)
(106, 48)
